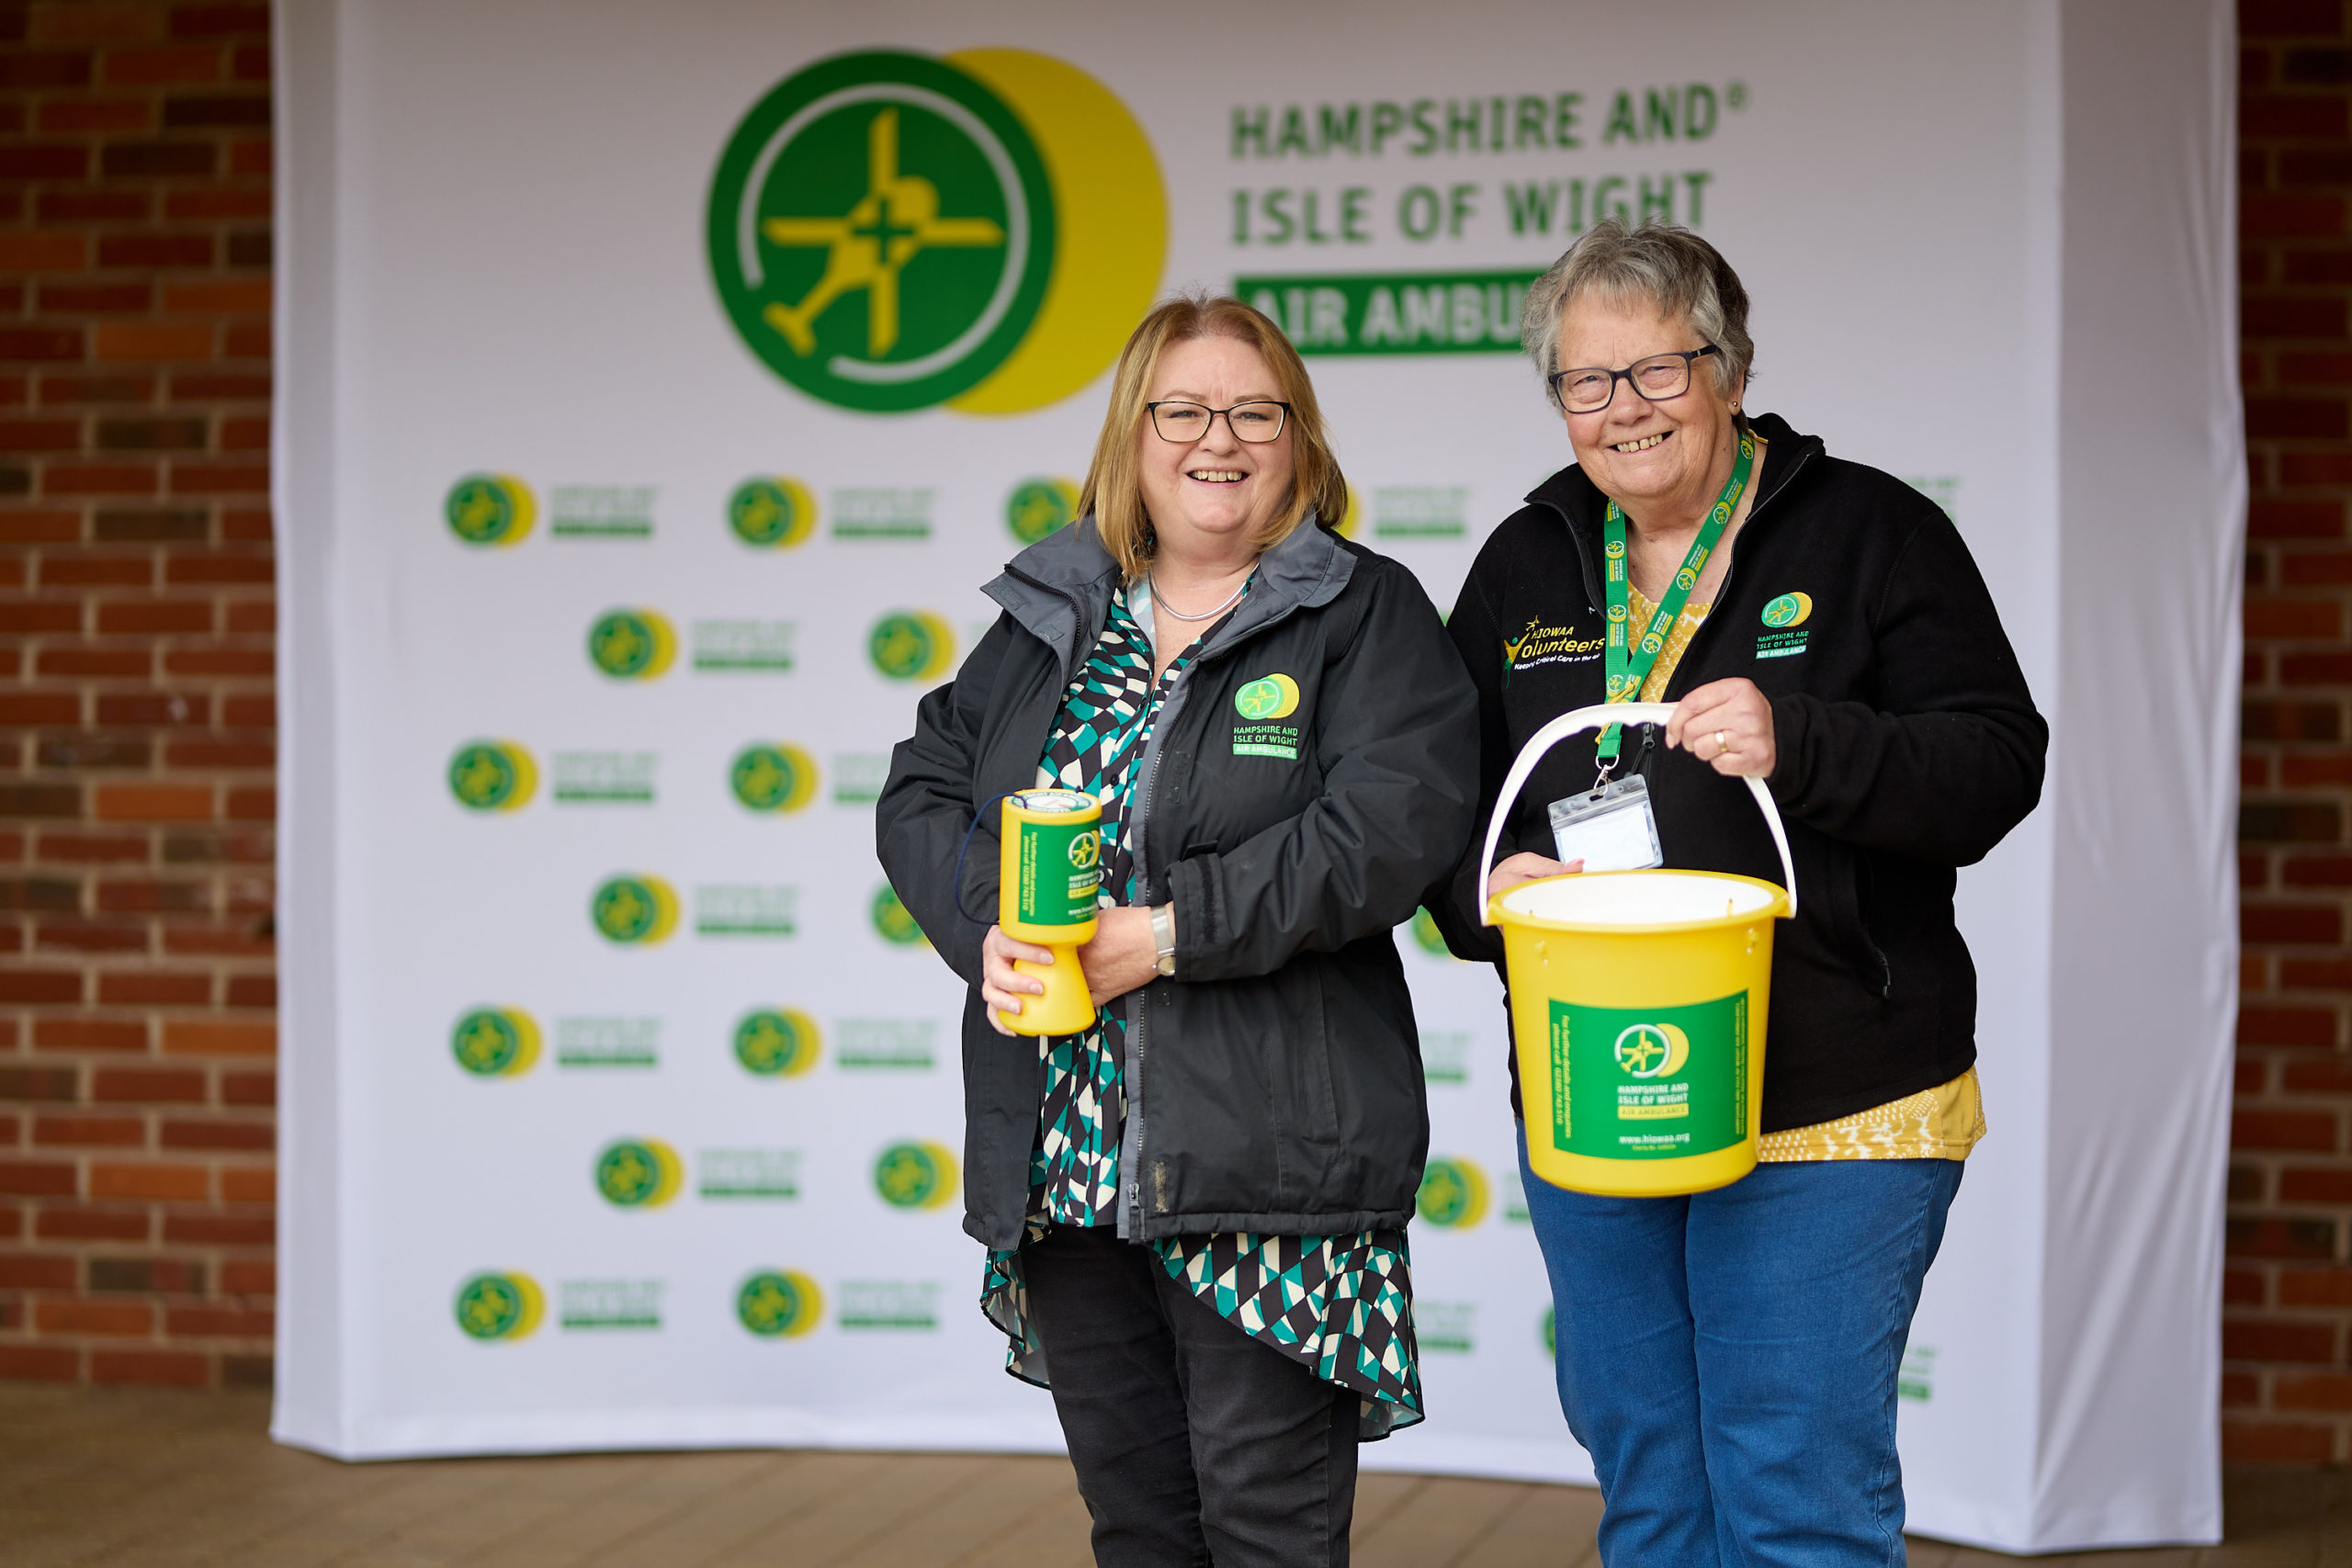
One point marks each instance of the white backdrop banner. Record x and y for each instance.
(660, 385)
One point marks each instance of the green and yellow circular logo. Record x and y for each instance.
(1788, 610)
(494, 775)
(1551, 1333)
(1652, 1050)
(1276, 696)
(891, 231)
(779, 1304)
(772, 775)
(489, 509)
(500, 1306)
(632, 645)
(911, 644)
(635, 911)
(773, 511)
(892, 922)
(915, 1175)
(1038, 507)
(1453, 1194)
(495, 1042)
(639, 1173)
(777, 1041)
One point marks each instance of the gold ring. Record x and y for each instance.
(1722, 746)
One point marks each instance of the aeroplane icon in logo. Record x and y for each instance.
(1652, 1050)
(891, 231)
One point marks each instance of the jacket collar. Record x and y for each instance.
(1306, 569)
(1061, 586)
(1578, 499)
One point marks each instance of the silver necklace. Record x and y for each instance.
(1162, 603)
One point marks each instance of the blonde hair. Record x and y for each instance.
(1114, 490)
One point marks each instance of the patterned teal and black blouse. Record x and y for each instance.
(1340, 1305)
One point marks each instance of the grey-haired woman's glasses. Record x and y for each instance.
(1592, 388)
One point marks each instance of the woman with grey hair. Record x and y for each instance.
(1729, 1358)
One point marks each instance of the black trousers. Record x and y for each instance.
(1194, 1444)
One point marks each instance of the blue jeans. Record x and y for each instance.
(1729, 1359)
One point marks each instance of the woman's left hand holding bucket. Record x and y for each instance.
(1728, 726)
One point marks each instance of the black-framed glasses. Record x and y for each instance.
(1255, 423)
(1591, 388)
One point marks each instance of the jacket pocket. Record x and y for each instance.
(1848, 871)
(1307, 1119)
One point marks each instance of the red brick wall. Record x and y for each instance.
(2287, 1382)
(136, 721)
(136, 701)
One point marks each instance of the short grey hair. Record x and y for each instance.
(1658, 264)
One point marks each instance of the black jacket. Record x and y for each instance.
(1274, 1084)
(1908, 746)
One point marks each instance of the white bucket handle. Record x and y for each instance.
(1599, 717)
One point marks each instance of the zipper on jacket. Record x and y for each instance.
(1723, 590)
(1870, 943)
(1131, 1217)
(1130, 1212)
(1130, 1226)
(1731, 574)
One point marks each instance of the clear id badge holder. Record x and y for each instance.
(1610, 827)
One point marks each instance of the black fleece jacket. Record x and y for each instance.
(1908, 746)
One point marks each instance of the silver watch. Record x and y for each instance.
(1163, 936)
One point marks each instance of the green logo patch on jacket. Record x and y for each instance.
(1786, 616)
(1261, 703)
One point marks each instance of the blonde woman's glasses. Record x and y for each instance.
(1254, 424)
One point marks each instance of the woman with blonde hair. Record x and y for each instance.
(1195, 1207)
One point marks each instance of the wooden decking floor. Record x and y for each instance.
(121, 1479)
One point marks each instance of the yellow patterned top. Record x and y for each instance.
(1638, 611)
(1943, 1122)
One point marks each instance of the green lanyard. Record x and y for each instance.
(1628, 669)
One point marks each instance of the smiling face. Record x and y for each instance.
(1656, 460)
(1207, 497)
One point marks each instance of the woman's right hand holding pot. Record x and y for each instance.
(1003, 988)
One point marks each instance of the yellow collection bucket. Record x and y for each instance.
(1638, 1002)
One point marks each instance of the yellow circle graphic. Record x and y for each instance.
(639, 1173)
(911, 644)
(491, 509)
(632, 644)
(772, 512)
(1111, 226)
(1351, 520)
(499, 1305)
(494, 775)
(1453, 1194)
(637, 908)
(496, 1041)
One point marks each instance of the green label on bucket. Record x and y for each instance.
(1649, 1083)
(1061, 869)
